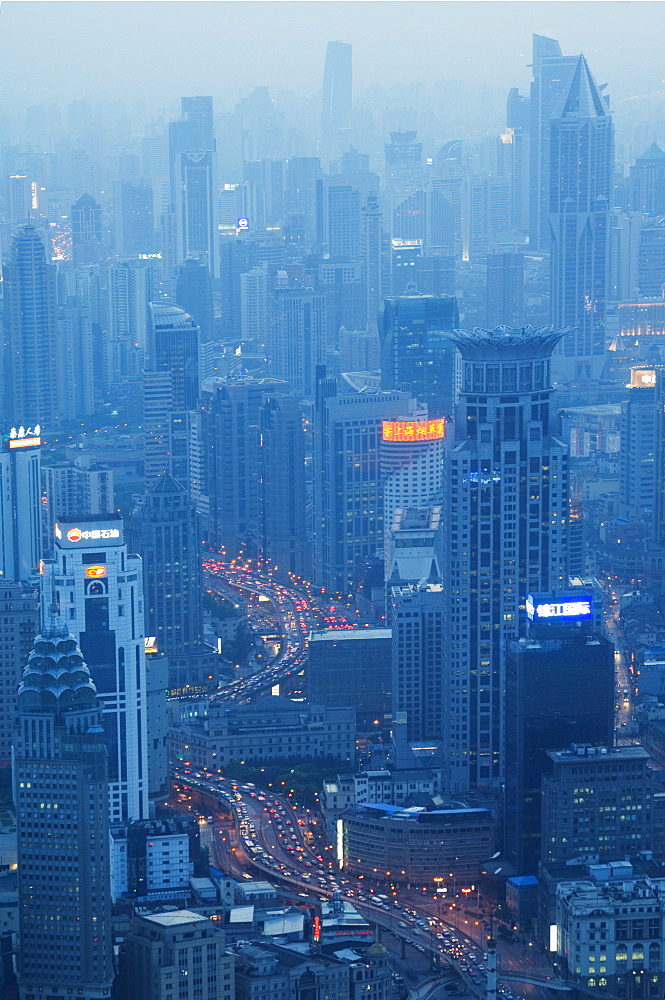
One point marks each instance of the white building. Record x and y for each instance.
(20, 504)
(98, 587)
(412, 469)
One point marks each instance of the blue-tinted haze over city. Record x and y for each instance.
(332, 501)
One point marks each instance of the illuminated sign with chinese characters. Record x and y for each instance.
(413, 430)
(24, 437)
(544, 607)
(642, 378)
(81, 535)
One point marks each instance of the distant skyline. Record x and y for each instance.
(155, 51)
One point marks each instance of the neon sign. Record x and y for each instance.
(86, 534)
(25, 437)
(543, 607)
(242, 225)
(414, 430)
(95, 571)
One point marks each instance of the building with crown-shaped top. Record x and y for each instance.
(580, 186)
(62, 809)
(505, 533)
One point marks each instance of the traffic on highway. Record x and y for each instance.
(270, 837)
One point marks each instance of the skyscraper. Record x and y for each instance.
(131, 284)
(418, 684)
(193, 293)
(298, 339)
(404, 162)
(170, 394)
(647, 182)
(551, 73)
(164, 529)
(637, 458)
(173, 346)
(348, 494)
(372, 251)
(505, 289)
(559, 690)
(20, 504)
(19, 624)
(75, 361)
(87, 233)
(134, 222)
(193, 185)
(283, 522)
(506, 523)
(195, 206)
(231, 435)
(338, 217)
(416, 351)
(104, 607)
(337, 89)
(30, 385)
(62, 810)
(580, 185)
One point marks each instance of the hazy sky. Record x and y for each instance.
(55, 51)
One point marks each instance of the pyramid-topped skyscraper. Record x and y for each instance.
(580, 185)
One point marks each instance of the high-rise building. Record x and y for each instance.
(20, 504)
(416, 351)
(612, 817)
(551, 75)
(412, 473)
(77, 488)
(29, 299)
(647, 182)
(418, 681)
(505, 289)
(283, 519)
(193, 293)
(372, 252)
(173, 346)
(348, 494)
(87, 232)
(195, 205)
(580, 186)
(559, 690)
(337, 93)
(254, 310)
(338, 217)
(134, 221)
(506, 524)
(62, 811)
(164, 529)
(637, 457)
(131, 289)
(98, 587)
(171, 385)
(19, 624)
(302, 173)
(298, 338)
(231, 435)
(651, 260)
(75, 348)
(659, 466)
(404, 161)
